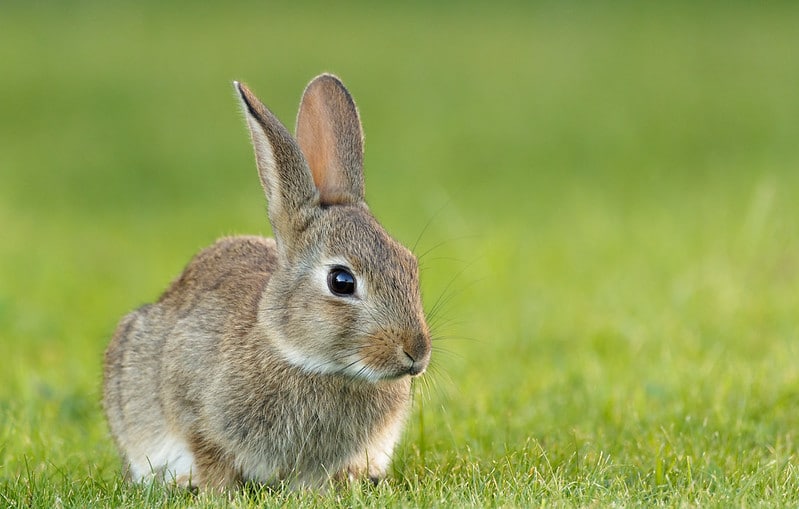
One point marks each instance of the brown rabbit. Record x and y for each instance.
(278, 360)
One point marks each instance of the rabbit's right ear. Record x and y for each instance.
(330, 136)
(287, 181)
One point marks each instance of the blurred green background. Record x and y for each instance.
(605, 193)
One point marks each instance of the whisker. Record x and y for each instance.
(447, 241)
(427, 225)
(447, 353)
(447, 288)
(439, 338)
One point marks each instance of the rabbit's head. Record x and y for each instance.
(345, 297)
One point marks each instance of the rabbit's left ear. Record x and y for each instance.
(331, 139)
(290, 191)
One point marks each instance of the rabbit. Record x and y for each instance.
(278, 361)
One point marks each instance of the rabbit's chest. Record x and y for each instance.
(305, 439)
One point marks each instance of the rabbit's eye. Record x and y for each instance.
(341, 281)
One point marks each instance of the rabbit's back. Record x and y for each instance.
(163, 355)
(233, 270)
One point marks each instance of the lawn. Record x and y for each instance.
(603, 196)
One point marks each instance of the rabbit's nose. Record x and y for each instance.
(418, 352)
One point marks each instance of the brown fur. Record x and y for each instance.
(248, 367)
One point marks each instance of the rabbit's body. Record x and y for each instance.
(253, 365)
(216, 397)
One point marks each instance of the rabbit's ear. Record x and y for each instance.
(330, 136)
(284, 173)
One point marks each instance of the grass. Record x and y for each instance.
(607, 195)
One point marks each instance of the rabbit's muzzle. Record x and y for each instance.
(417, 350)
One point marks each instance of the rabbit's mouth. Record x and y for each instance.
(418, 364)
(389, 359)
(415, 370)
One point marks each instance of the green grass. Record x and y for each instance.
(608, 195)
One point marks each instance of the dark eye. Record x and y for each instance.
(341, 281)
